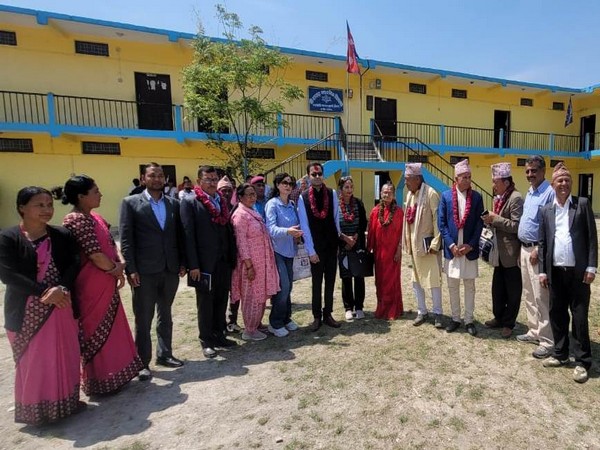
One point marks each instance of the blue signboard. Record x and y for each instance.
(325, 99)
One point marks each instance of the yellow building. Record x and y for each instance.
(81, 95)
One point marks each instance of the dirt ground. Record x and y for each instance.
(371, 384)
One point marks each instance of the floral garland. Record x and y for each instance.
(411, 214)
(501, 200)
(461, 223)
(313, 202)
(348, 216)
(392, 210)
(217, 217)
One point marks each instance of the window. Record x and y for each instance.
(554, 162)
(16, 145)
(417, 159)
(521, 162)
(318, 155)
(459, 93)
(101, 148)
(8, 38)
(91, 48)
(316, 76)
(261, 153)
(456, 159)
(558, 106)
(526, 101)
(417, 88)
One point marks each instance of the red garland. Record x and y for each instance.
(217, 217)
(391, 209)
(348, 216)
(411, 214)
(500, 202)
(461, 224)
(313, 203)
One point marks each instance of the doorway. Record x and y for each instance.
(385, 117)
(586, 186)
(588, 127)
(380, 179)
(153, 97)
(502, 121)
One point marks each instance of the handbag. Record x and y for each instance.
(488, 246)
(356, 263)
(301, 266)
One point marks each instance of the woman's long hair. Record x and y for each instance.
(277, 180)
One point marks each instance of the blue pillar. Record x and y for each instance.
(179, 125)
(442, 134)
(337, 120)
(587, 142)
(551, 142)
(52, 125)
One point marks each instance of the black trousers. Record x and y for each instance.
(507, 287)
(156, 291)
(325, 268)
(212, 305)
(569, 292)
(353, 299)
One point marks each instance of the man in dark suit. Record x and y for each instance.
(210, 249)
(568, 260)
(459, 221)
(152, 245)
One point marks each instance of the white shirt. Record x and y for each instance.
(563, 255)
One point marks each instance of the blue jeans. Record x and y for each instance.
(281, 303)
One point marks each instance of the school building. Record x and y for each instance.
(80, 95)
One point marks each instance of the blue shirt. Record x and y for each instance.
(279, 218)
(158, 208)
(216, 200)
(259, 207)
(529, 226)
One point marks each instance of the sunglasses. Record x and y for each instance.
(316, 174)
(287, 183)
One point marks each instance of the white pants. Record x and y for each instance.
(454, 291)
(537, 301)
(436, 295)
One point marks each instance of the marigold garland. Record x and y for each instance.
(348, 216)
(391, 209)
(461, 223)
(217, 217)
(313, 202)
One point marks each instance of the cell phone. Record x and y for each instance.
(485, 213)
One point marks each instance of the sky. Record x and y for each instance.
(540, 41)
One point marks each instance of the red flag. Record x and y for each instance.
(351, 55)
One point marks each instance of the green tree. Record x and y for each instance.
(237, 86)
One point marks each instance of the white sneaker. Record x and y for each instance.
(254, 336)
(349, 316)
(279, 332)
(292, 326)
(360, 314)
(233, 328)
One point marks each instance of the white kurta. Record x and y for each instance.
(461, 267)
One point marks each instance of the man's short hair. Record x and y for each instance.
(148, 166)
(536, 159)
(313, 164)
(206, 169)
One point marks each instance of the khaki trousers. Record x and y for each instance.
(537, 301)
(454, 293)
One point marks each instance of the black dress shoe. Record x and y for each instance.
(315, 325)
(169, 361)
(471, 329)
(224, 342)
(330, 321)
(209, 352)
(453, 326)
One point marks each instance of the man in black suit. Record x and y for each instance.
(568, 257)
(211, 252)
(152, 244)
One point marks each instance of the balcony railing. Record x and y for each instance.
(58, 114)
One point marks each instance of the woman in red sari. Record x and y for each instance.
(385, 241)
(109, 359)
(38, 265)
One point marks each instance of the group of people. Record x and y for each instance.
(68, 330)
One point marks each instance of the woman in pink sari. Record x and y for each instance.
(384, 240)
(109, 359)
(255, 277)
(38, 265)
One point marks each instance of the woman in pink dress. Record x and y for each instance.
(38, 265)
(255, 277)
(384, 240)
(109, 359)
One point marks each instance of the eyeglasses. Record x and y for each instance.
(287, 183)
(316, 174)
(259, 184)
(210, 180)
(250, 194)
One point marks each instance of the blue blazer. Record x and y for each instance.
(472, 229)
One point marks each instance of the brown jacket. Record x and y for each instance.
(506, 226)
